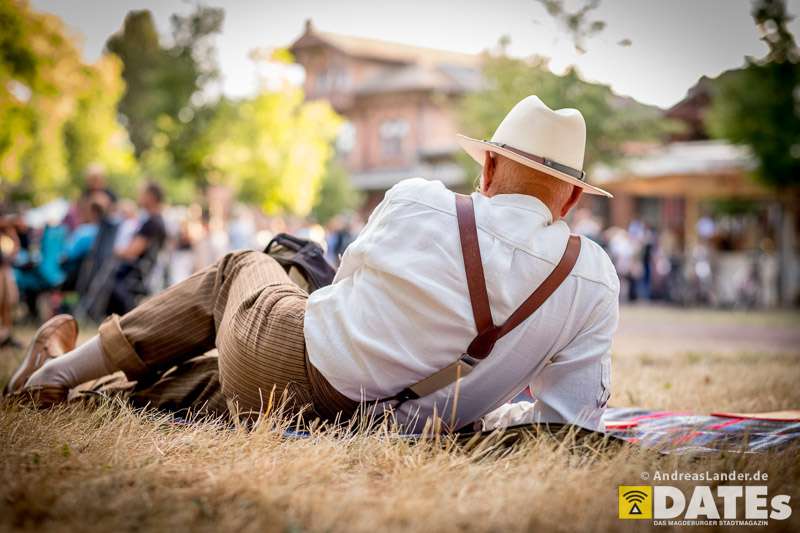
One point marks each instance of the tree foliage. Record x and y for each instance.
(272, 148)
(611, 120)
(336, 195)
(137, 46)
(57, 114)
(759, 105)
(93, 134)
(166, 84)
(577, 23)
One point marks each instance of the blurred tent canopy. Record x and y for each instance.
(697, 169)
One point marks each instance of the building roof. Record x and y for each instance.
(408, 67)
(692, 109)
(692, 168)
(383, 50)
(680, 158)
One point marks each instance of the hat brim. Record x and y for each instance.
(477, 150)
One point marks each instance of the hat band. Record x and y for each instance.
(564, 169)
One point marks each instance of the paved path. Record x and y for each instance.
(657, 330)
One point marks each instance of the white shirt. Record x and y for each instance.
(399, 310)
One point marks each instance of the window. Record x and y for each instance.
(341, 80)
(346, 140)
(332, 79)
(391, 133)
(323, 81)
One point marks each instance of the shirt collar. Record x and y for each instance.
(526, 202)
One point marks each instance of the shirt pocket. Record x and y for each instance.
(605, 382)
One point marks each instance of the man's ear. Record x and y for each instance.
(489, 166)
(573, 199)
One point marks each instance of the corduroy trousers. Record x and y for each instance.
(247, 308)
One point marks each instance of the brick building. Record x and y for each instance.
(398, 101)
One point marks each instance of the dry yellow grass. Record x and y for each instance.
(78, 468)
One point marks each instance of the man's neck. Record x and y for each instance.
(543, 195)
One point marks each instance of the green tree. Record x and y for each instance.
(336, 194)
(578, 23)
(611, 120)
(44, 90)
(272, 148)
(758, 105)
(92, 134)
(137, 45)
(193, 69)
(164, 102)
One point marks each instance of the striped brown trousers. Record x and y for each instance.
(247, 308)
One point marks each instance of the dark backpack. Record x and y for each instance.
(303, 260)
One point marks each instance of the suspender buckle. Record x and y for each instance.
(444, 377)
(482, 345)
(469, 360)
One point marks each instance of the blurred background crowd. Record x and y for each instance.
(122, 176)
(99, 254)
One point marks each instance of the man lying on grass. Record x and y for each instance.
(444, 304)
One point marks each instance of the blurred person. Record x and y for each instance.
(24, 236)
(9, 295)
(314, 232)
(151, 231)
(410, 302)
(214, 241)
(667, 267)
(61, 255)
(747, 282)
(700, 286)
(585, 223)
(706, 227)
(770, 272)
(331, 228)
(96, 184)
(80, 242)
(191, 235)
(95, 189)
(98, 266)
(346, 235)
(338, 236)
(139, 256)
(646, 247)
(128, 216)
(639, 273)
(241, 229)
(623, 250)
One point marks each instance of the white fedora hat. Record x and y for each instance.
(534, 135)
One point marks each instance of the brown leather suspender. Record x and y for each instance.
(488, 334)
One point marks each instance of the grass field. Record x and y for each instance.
(112, 469)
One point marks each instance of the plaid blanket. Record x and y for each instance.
(670, 432)
(681, 433)
(665, 431)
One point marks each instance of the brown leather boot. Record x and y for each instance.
(42, 397)
(57, 336)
